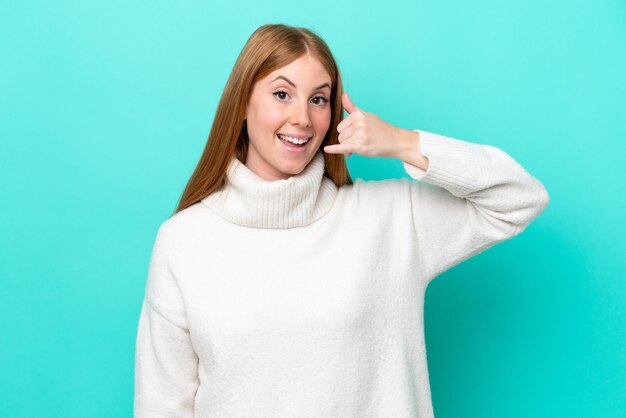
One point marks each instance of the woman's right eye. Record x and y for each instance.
(279, 92)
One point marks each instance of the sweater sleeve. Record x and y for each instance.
(166, 365)
(475, 197)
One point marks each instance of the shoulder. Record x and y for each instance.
(376, 195)
(182, 224)
(372, 189)
(388, 195)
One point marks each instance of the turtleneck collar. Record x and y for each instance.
(249, 200)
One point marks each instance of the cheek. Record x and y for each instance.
(322, 120)
(270, 117)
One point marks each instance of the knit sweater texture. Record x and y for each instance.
(298, 298)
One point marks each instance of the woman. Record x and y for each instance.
(280, 288)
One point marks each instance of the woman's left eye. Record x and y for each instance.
(325, 100)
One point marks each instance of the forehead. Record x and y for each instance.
(305, 70)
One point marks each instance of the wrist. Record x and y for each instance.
(408, 149)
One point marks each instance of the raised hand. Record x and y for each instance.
(366, 134)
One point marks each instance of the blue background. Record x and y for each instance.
(105, 108)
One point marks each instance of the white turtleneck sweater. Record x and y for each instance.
(295, 298)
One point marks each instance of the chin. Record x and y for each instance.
(292, 169)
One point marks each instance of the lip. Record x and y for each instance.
(299, 136)
(292, 148)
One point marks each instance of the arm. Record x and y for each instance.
(483, 197)
(166, 366)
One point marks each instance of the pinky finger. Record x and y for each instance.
(335, 149)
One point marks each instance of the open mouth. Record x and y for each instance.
(293, 141)
(293, 144)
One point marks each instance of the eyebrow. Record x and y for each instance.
(290, 82)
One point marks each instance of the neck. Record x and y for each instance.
(247, 199)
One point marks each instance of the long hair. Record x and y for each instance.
(269, 48)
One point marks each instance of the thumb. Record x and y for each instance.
(347, 103)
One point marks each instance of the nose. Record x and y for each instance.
(301, 114)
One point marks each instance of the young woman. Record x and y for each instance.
(280, 287)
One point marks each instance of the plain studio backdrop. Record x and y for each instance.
(105, 108)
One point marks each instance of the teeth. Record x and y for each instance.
(293, 140)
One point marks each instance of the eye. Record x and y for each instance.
(323, 98)
(282, 92)
(279, 92)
